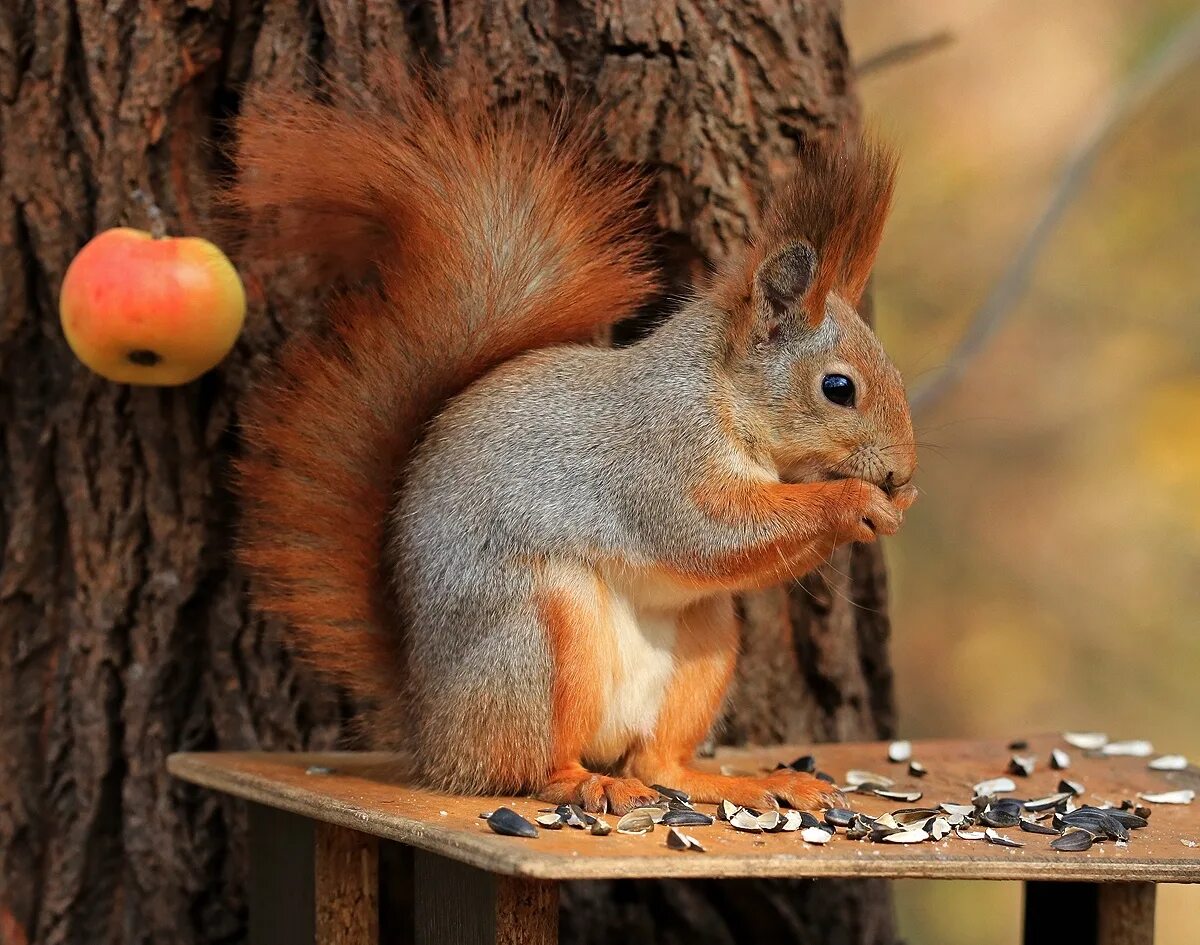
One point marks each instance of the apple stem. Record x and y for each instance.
(158, 227)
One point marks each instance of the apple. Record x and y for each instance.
(137, 309)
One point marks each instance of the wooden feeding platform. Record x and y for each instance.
(320, 824)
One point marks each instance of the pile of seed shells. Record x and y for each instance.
(1075, 826)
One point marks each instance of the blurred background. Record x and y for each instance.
(1050, 576)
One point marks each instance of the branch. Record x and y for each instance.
(904, 52)
(1182, 48)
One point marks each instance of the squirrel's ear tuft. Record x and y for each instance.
(781, 282)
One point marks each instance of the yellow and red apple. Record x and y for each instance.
(143, 310)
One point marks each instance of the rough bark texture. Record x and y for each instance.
(124, 630)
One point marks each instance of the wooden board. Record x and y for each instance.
(359, 792)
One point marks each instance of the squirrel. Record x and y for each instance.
(518, 547)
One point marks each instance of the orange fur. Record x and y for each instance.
(581, 647)
(579, 644)
(482, 236)
(705, 655)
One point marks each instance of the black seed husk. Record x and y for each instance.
(1032, 826)
(1074, 842)
(839, 817)
(511, 824)
(673, 793)
(686, 818)
(999, 818)
(805, 764)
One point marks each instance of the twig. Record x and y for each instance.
(158, 225)
(904, 52)
(1182, 48)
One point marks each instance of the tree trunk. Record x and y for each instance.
(125, 628)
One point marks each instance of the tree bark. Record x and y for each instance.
(126, 633)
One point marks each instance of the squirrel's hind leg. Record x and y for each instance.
(574, 614)
(705, 656)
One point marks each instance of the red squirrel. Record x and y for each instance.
(518, 548)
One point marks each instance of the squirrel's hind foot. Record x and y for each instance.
(596, 793)
(786, 788)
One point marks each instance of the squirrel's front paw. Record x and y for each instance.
(863, 511)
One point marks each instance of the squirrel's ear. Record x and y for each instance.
(781, 282)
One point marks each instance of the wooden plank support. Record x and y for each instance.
(1087, 913)
(311, 882)
(280, 887)
(1126, 914)
(457, 904)
(346, 883)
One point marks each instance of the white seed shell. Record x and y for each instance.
(1135, 749)
(1087, 741)
(1183, 796)
(907, 836)
(1169, 763)
(994, 786)
(899, 751)
(815, 835)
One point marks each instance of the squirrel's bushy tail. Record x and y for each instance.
(478, 237)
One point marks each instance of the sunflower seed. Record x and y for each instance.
(1021, 765)
(964, 810)
(1096, 821)
(824, 776)
(1073, 841)
(1087, 741)
(907, 797)
(1169, 763)
(742, 819)
(907, 836)
(770, 821)
(916, 769)
(1189, 843)
(1037, 804)
(856, 778)
(839, 817)
(1032, 826)
(726, 809)
(969, 834)
(994, 786)
(999, 818)
(1009, 805)
(939, 828)
(1184, 796)
(815, 835)
(808, 819)
(1135, 749)
(672, 793)
(601, 828)
(899, 751)
(1059, 759)
(1001, 841)
(550, 821)
(1127, 818)
(1071, 787)
(683, 841)
(1019, 745)
(637, 821)
(318, 769)
(792, 821)
(910, 816)
(511, 824)
(805, 764)
(686, 818)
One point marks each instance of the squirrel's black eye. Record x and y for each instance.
(839, 389)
